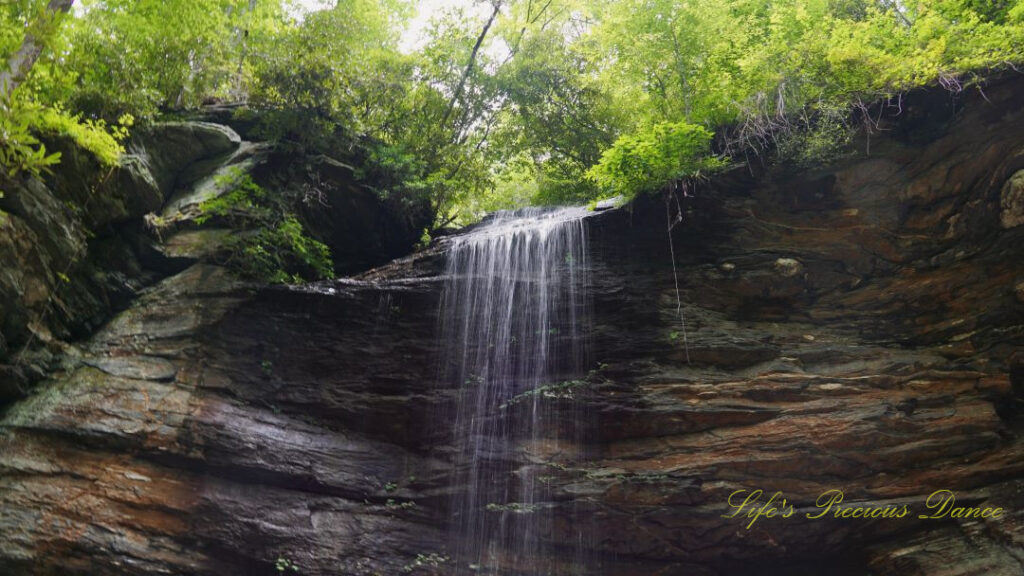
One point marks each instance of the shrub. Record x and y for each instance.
(271, 244)
(647, 160)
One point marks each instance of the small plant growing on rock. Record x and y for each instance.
(432, 560)
(271, 243)
(392, 504)
(555, 391)
(516, 507)
(267, 367)
(285, 566)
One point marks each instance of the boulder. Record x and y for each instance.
(169, 148)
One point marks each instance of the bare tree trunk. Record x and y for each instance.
(245, 49)
(469, 65)
(895, 7)
(21, 62)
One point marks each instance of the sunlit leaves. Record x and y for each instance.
(654, 156)
(768, 66)
(629, 90)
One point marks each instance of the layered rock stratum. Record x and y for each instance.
(854, 327)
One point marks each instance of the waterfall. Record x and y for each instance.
(513, 325)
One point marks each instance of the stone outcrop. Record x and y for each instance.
(72, 245)
(81, 244)
(855, 327)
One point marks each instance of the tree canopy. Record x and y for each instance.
(501, 102)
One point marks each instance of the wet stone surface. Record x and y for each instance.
(858, 327)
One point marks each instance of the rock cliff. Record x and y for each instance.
(82, 243)
(856, 326)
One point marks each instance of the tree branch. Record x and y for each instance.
(895, 7)
(469, 65)
(19, 65)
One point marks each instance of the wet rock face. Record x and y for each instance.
(856, 327)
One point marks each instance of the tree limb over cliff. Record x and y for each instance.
(19, 65)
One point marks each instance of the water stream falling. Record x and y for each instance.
(514, 326)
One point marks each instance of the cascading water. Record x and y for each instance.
(514, 327)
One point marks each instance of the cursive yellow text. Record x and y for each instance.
(831, 500)
(942, 504)
(774, 506)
